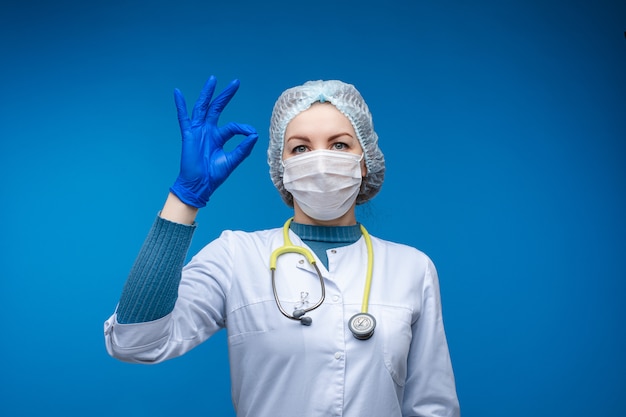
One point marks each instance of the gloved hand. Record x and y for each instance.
(204, 164)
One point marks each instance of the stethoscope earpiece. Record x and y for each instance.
(304, 320)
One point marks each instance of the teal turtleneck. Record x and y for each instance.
(322, 238)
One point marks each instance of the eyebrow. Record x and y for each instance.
(306, 138)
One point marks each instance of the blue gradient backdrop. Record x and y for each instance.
(504, 129)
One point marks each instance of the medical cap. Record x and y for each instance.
(348, 101)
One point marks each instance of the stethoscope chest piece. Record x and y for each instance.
(362, 325)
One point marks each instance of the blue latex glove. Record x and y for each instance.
(204, 164)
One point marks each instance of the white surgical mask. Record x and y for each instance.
(324, 183)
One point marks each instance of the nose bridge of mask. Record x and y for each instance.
(323, 157)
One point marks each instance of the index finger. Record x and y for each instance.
(202, 104)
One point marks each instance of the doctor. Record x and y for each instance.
(373, 343)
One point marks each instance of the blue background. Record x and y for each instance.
(504, 128)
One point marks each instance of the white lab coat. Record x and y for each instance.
(281, 368)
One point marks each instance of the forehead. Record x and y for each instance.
(319, 117)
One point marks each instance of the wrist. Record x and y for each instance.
(175, 210)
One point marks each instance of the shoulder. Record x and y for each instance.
(403, 260)
(267, 235)
(400, 251)
(237, 240)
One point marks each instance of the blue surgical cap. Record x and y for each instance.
(348, 101)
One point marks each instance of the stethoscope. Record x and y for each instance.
(361, 324)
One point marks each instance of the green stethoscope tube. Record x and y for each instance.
(361, 324)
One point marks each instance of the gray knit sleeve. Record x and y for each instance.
(151, 288)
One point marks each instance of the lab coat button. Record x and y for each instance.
(338, 355)
(301, 261)
(335, 298)
(108, 327)
(333, 251)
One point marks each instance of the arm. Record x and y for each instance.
(151, 289)
(430, 387)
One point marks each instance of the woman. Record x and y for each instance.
(373, 341)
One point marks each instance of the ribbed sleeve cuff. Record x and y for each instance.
(151, 288)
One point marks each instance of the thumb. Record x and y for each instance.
(243, 150)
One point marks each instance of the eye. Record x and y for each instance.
(340, 146)
(299, 149)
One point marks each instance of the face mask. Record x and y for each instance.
(324, 183)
